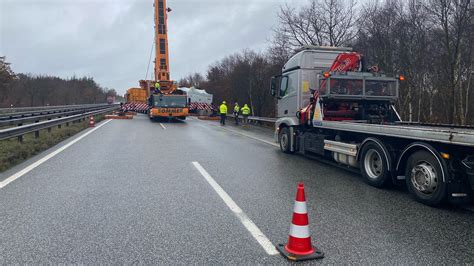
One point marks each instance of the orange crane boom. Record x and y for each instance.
(162, 71)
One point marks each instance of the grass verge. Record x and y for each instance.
(13, 152)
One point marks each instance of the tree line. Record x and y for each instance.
(427, 41)
(25, 90)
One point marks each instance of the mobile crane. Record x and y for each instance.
(166, 101)
(329, 106)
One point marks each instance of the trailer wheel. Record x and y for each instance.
(424, 179)
(284, 139)
(374, 165)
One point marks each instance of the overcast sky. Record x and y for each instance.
(110, 40)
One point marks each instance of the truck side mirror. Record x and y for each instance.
(273, 86)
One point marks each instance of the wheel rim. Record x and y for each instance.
(373, 164)
(424, 178)
(284, 141)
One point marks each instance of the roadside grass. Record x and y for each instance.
(12, 152)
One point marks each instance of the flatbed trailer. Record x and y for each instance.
(449, 135)
(350, 119)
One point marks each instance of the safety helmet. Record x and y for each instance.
(223, 102)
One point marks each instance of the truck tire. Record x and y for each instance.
(284, 140)
(374, 165)
(424, 178)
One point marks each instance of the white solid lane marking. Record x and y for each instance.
(162, 126)
(252, 137)
(248, 136)
(45, 158)
(244, 219)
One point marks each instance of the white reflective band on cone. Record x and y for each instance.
(299, 231)
(300, 207)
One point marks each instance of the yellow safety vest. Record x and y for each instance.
(223, 109)
(245, 110)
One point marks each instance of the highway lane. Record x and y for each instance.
(120, 196)
(129, 193)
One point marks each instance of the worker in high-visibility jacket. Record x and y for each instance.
(157, 86)
(223, 112)
(236, 113)
(245, 112)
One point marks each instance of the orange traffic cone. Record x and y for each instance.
(91, 121)
(299, 245)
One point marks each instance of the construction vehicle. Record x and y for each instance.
(167, 101)
(330, 107)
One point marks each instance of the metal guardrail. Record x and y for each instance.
(36, 127)
(263, 119)
(37, 118)
(50, 110)
(39, 108)
(257, 119)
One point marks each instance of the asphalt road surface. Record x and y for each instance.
(133, 191)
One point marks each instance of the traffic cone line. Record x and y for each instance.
(299, 245)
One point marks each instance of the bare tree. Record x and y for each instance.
(192, 80)
(6, 77)
(452, 21)
(322, 22)
(280, 49)
(338, 20)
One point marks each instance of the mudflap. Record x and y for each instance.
(292, 139)
(459, 192)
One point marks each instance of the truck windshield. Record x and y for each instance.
(170, 101)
